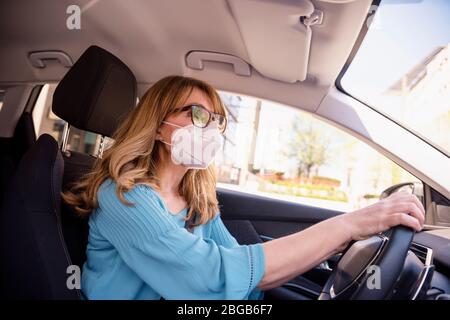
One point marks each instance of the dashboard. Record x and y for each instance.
(432, 249)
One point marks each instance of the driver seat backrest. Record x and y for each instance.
(41, 237)
(34, 258)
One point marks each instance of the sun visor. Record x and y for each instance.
(277, 35)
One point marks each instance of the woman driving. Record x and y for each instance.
(155, 229)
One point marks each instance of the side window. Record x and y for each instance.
(45, 121)
(285, 153)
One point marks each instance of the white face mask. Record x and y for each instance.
(194, 147)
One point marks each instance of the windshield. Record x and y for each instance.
(403, 66)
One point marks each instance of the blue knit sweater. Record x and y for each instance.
(144, 252)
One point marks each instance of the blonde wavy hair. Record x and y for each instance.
(134, 155)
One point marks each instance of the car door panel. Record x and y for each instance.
(253, 218)
(256, 219)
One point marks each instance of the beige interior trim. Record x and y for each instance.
(277, 42)
(154, 37)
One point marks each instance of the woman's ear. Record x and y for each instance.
(158, 133)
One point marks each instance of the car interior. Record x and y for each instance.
(288, 52)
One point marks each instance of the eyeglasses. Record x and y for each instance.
(201, 117)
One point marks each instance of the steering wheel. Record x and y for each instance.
(369, 269)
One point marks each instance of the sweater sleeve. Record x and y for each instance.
(221, 236)
(173, 261)
(220, 233)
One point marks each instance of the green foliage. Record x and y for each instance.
(371, 196)
(325, 192)
(309, 145)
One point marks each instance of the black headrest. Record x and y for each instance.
(96, 93)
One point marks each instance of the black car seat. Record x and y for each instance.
(40, 237)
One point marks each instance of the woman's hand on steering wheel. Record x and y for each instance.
(400, 208)
(290, 256)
